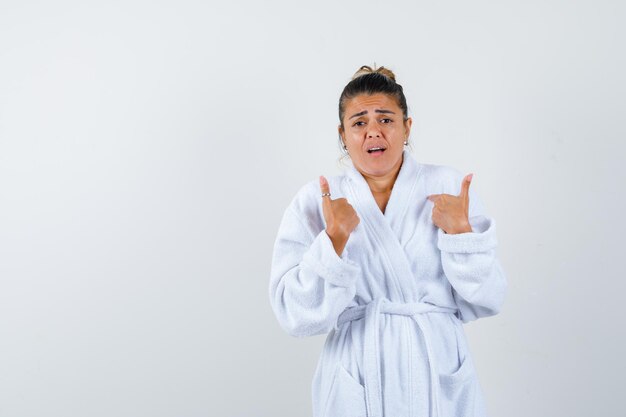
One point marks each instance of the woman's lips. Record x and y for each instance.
(376, 152)
(375, 147)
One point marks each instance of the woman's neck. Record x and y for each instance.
(384, 184)
(381, 186)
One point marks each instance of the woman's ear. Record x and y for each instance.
(340, 130)
(407, 126)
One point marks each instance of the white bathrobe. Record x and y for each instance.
(393, 304)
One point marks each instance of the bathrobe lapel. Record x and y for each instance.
(386, 229)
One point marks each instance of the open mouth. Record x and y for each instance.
(376, 150)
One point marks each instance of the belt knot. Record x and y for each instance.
(371, 351)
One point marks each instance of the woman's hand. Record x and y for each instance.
(341, 218)
(450, 212)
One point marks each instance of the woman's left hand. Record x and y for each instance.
(450, 212)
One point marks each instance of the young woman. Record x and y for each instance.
(389, 259)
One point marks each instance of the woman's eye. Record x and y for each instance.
(357, 123)
(387, 119)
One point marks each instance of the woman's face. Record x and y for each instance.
(374, 133)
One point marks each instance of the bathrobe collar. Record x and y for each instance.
(386, 229)
(402, 193)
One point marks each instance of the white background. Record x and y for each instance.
(148, 150)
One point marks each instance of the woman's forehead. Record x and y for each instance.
(364, 101)
(371, 104)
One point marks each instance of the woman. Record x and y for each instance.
(389, 259)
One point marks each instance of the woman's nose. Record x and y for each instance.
(373, 132)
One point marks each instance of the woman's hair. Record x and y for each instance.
(372, 81)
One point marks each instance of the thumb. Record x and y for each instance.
(325, 188)
(324, 185)
(465, 186)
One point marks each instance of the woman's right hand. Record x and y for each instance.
(340, 216)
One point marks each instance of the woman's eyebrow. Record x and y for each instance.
(375, 111)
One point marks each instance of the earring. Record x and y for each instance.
(406, 143)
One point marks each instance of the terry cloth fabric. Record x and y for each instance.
(393, 304)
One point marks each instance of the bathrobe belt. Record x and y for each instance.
(371, 355)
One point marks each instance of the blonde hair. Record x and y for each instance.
(366, 69)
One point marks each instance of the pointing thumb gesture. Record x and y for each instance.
(340, 217)
(450, 212)
(326, 202)
(464, 194)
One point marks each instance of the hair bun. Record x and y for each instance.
(365, 69)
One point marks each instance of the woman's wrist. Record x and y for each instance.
(338, 240)
(466, 228)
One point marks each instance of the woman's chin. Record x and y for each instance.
(378, 166)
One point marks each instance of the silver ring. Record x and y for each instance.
(326, 194)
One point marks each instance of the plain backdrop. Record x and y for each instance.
(148, 150)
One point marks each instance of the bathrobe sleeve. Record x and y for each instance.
(470, 263)
(310, 285)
